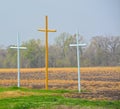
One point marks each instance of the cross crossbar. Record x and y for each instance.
(19, 47)
(43, 30)
(81, 45)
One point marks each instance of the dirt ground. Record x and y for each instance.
(100, 85)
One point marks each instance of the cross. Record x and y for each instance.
(78, 60)
(46, 30)
(18, 57)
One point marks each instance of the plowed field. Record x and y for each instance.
(96, 83)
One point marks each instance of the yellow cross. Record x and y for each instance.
(46, 30)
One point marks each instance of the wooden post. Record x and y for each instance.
(46, 30)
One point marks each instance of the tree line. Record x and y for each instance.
(100, 51)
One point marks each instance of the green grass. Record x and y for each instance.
(51, 99)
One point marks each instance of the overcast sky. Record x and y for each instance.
(90, 17)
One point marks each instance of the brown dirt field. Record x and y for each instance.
(95, 84)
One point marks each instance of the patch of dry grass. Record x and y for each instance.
(13, 94)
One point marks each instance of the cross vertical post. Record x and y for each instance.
(46, 54)
(46, 30)
(18, 58)
(78, 59)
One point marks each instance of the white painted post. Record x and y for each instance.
(18, 57)
(78, 60)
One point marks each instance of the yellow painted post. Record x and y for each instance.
(46, 30)
(46, 54)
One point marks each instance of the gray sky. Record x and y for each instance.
(90, 17)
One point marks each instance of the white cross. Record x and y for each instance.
(78, 60)
(18, 57)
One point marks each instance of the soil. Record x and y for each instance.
(95, 85)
